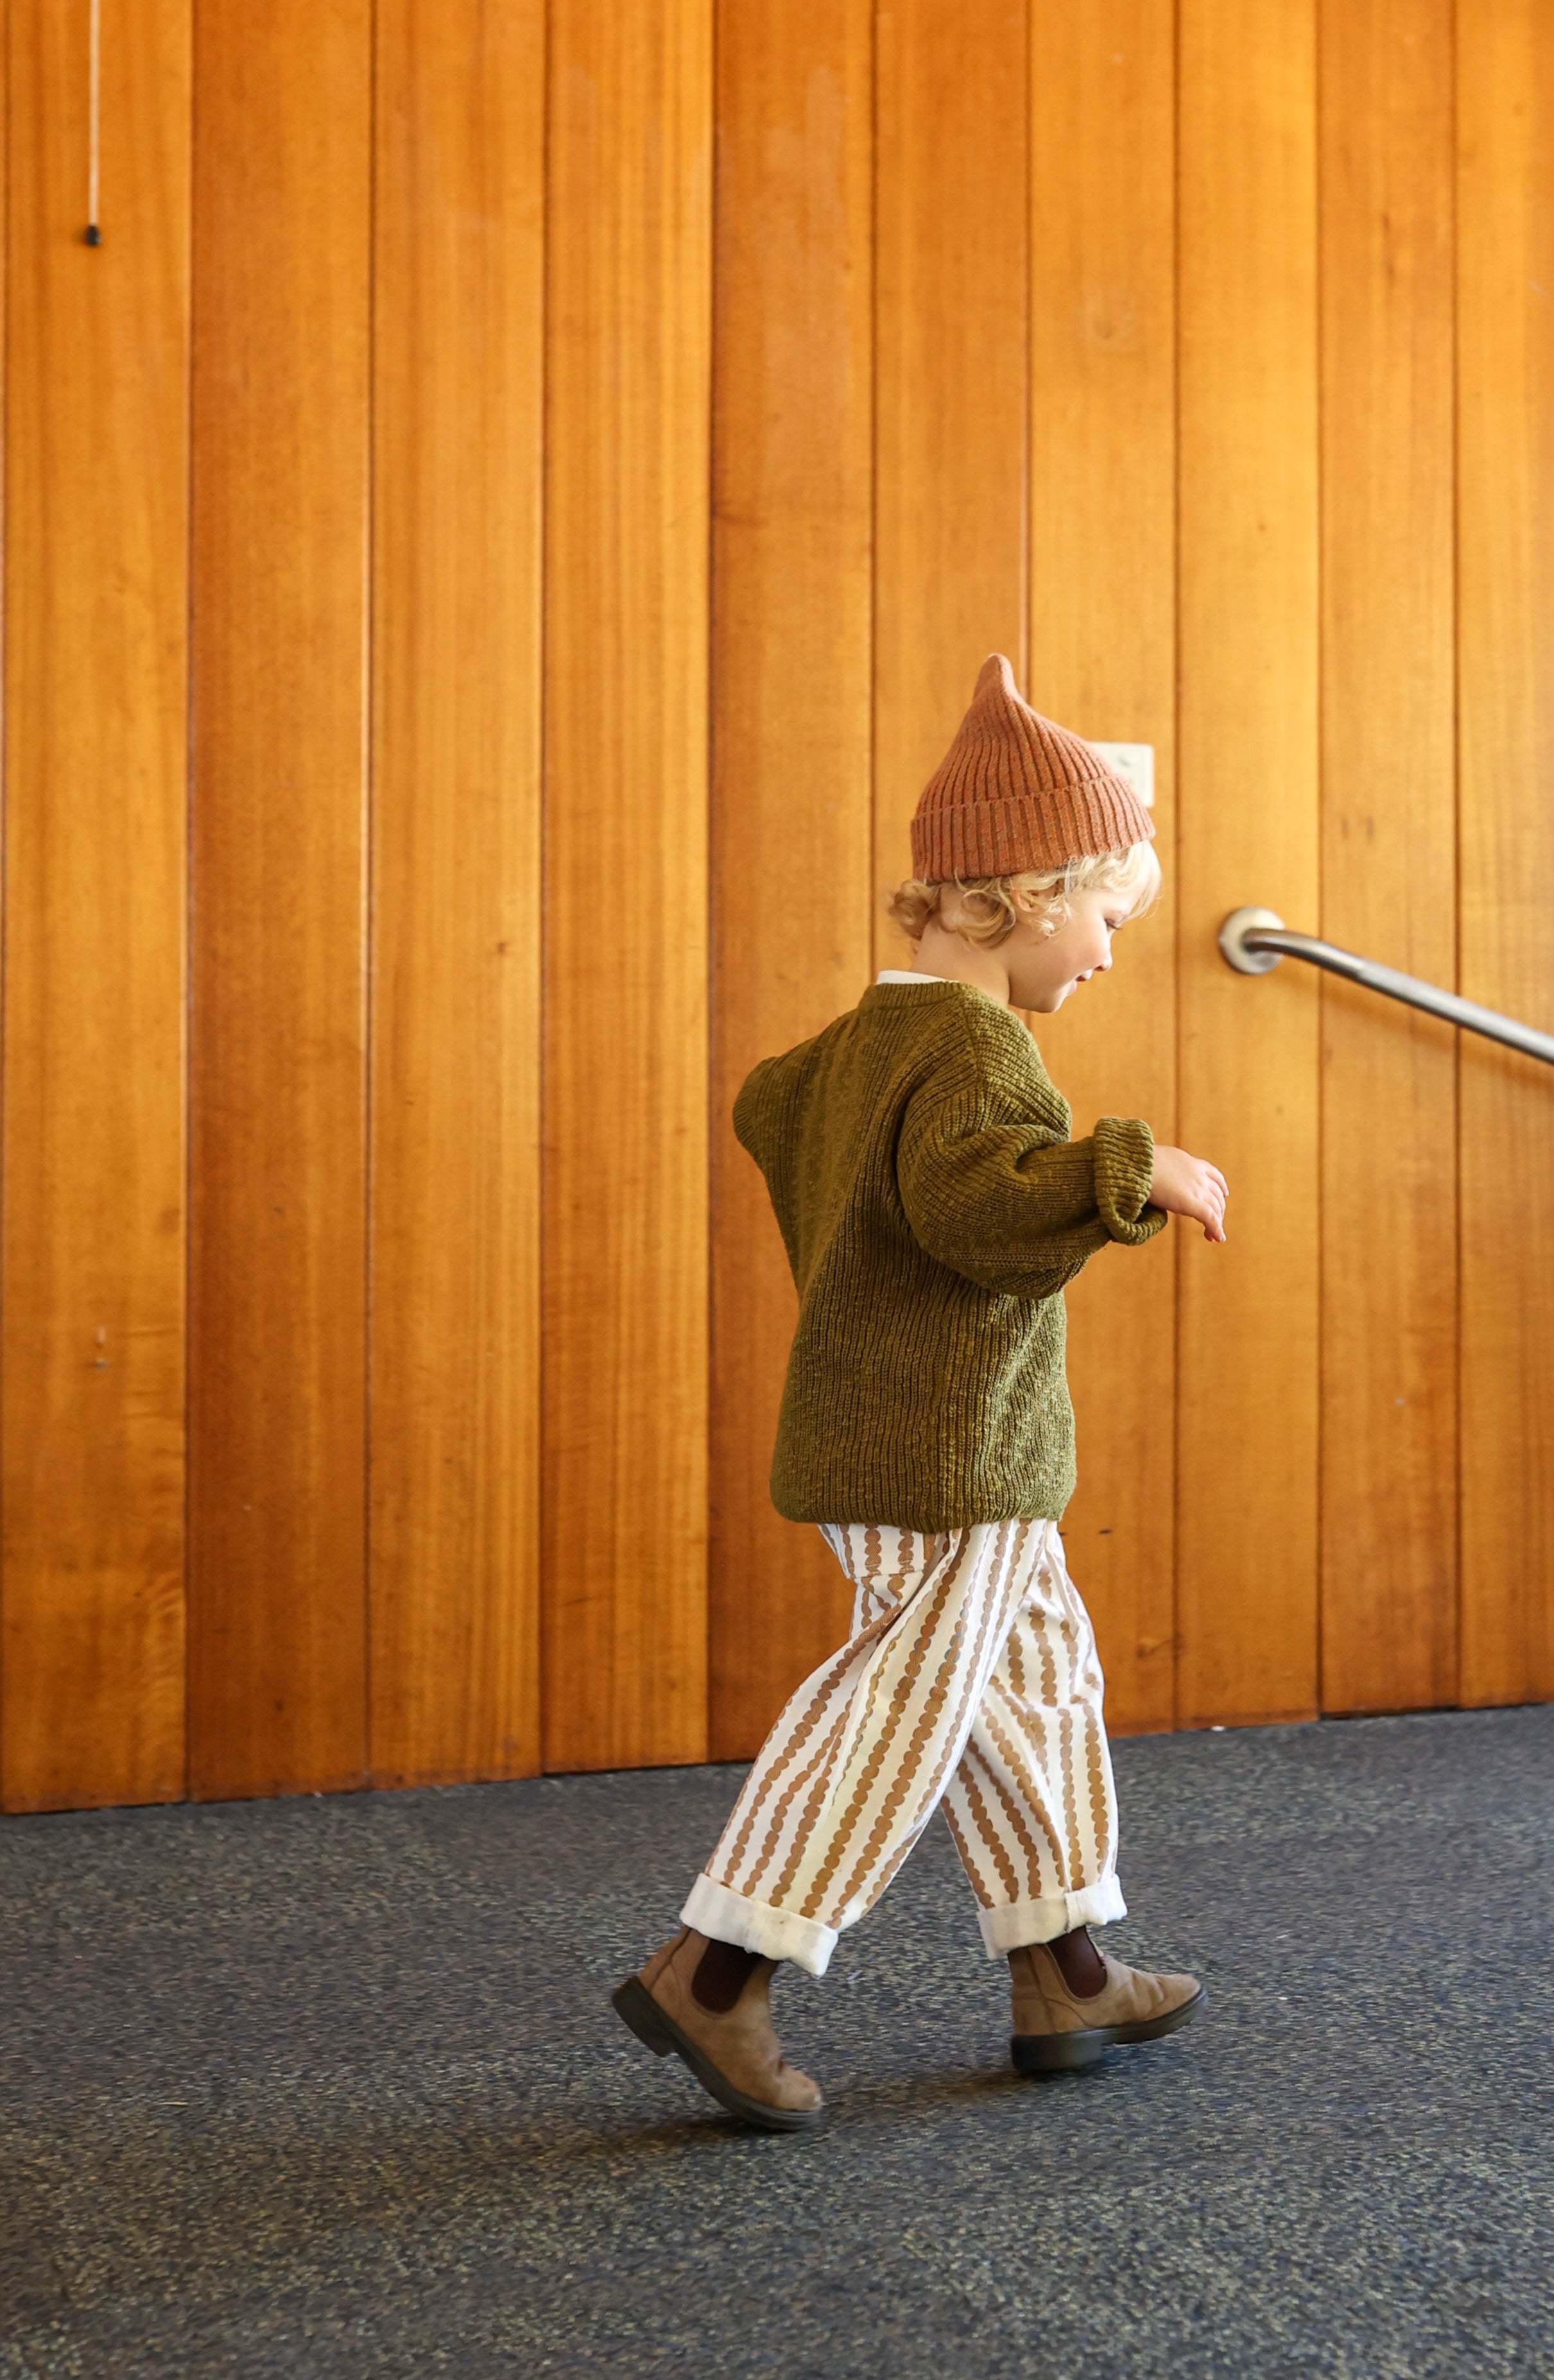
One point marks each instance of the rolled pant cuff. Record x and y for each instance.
(1043, 1921)
(755, 1925)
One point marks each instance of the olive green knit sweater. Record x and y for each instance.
(932, 1207)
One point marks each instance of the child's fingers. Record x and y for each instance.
(1211, 1214)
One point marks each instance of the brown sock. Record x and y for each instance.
(1079, 1962)
(722, 1971)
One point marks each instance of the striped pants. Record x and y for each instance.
(970, 1677)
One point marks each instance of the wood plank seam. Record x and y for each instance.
(1456, 862)
(1180, 1028)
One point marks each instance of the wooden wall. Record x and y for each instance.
(495, 539)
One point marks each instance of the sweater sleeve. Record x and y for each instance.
(1016, 1207)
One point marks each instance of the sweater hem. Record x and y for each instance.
(862, 1512)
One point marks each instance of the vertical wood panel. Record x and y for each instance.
(1008, 333)
(458, 294)
(791, 901)
(626, 883)
(96, 572)
(1102, 661)
(953, 325)
(1506, 579)
(1248, 811)
(282, 253)
(1389, 857)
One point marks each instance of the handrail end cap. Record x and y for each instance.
(1233, 942)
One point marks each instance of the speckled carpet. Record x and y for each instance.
(333, 2088)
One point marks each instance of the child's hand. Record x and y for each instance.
(1190, 1185)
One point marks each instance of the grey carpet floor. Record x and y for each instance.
(331, 2088)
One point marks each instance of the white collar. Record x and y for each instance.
(904, 974)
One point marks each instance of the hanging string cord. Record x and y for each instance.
(94, 229)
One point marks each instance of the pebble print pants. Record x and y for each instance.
(969, 1677)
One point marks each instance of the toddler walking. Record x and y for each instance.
(933, 1207)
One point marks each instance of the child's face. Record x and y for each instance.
(1044, 969)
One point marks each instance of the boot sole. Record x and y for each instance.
(1067, 2053)
(636, 2006)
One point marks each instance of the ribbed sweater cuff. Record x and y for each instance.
(1124, 1169)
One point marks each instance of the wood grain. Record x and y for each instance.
(1389, 857)
(455, 1420)
(282, 252)
(1006, 330)
(791, 877)
(1247, 1381)
(1103, 626)
(1506, 599)
(952, 317)
(627, 450)
(96, 587)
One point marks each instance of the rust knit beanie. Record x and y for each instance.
(1015, 791)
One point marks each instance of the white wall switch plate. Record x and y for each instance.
(1134, 763)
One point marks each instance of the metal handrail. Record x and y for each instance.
(1253, 940)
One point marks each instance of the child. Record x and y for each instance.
(932, 1207)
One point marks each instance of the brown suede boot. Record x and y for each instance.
(1057, 2030)
(733, 2053)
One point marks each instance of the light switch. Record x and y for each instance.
(1134, 763)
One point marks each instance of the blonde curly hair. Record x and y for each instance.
(989, 912)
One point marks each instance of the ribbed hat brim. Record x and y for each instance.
(1015, 791)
